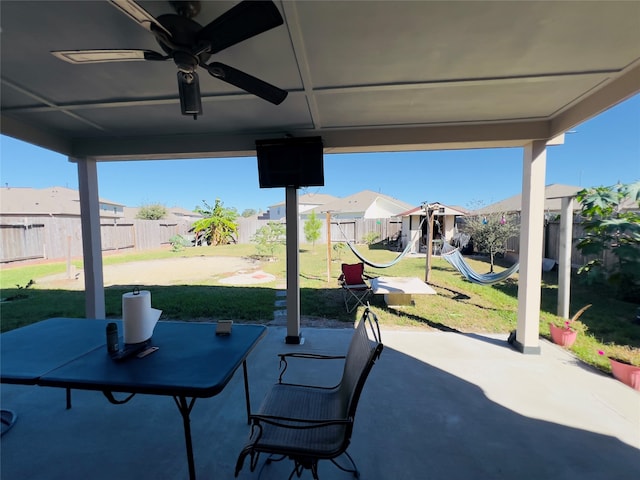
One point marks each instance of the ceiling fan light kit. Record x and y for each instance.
(189, 90)
(190, 46)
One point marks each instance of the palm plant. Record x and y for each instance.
(610, 229)
(219, 223)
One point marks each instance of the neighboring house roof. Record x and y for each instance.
(447, 210)
(131, 212)
(630, 205)
(179, 213)
(553, 195)
(183, 212)
(367, 204)
(463, 210)
(311, 199)
(173, 213)
(46, 201)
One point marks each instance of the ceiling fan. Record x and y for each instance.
(190, 46)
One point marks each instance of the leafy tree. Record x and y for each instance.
(338, 250)
(611, 232)
(312, 228)
(248, 212)
(269, 238)
(490, 232)
(152, 211)
(219, 223)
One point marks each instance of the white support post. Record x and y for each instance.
(91, 242)
(293, 267)
(531, 237)
(564, 262)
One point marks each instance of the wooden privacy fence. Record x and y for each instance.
(354, 230)
(551, 245)
(61, 237)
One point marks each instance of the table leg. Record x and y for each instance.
(246, 391)
(68, 398)
(185, 406)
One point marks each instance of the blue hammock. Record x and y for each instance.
(455, 258)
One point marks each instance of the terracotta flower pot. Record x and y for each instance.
(626, 373)
(562, 335)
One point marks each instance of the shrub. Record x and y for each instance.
(269, 239)
(152, 211)
(370, 237)
(178, 243)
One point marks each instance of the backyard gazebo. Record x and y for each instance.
(365, 76)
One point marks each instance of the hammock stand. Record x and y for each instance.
(379, 265)
(455, 258)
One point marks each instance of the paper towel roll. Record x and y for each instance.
(138, 318)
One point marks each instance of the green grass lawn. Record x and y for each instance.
(459, 306)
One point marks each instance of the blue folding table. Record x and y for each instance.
(192, 361)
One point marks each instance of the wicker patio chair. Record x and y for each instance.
(308, 423)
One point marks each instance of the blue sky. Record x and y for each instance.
(603, 151)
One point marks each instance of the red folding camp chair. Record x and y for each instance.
(355, 288)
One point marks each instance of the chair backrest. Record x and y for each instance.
(353, 273)
(364, 350)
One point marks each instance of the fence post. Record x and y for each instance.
(430, 213)
(328, 247)
(68, 256)
(564, 260)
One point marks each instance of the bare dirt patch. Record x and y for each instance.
(181, 271)
(171, 271)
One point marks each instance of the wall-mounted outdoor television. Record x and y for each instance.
(290, 162)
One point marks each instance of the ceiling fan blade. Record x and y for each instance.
(102, 56)
(247, 82)
(245, 20)
(139, 15)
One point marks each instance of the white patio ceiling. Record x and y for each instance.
(366, 76)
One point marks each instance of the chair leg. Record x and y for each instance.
(253, 459)
(353, 470)
(355, 298)
(272, 458)
(298, 469)
(314, 470)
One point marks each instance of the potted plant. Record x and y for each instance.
(624, 371)
(566, 334)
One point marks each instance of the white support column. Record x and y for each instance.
(564, 262)
(91, 242)
(531, 236)
(293, 267)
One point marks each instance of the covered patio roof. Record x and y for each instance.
(365, 76)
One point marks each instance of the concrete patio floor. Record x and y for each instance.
(438, 406)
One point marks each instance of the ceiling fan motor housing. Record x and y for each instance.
(184, 38)
(187, 9)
